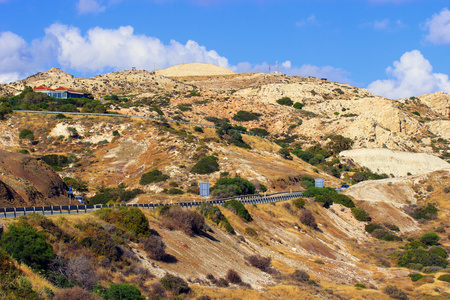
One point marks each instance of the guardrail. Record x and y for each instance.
(68, 209)
(132, 116)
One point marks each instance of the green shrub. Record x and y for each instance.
(371, 227)
(130, 219)
(152, 177)
(430, 239)
(228, 187)
(198, 129)
(299, 202)
(175, 191)
(445, 277)
(175, 284)
(251, 232)
(343, 199)
(439, 251)
(314, 191)
(214, 214)
(100, 242)
(236, 139)
(298, 105)
(245, 116)
(360, 286)
(25, 244)
(260, 131)
(300, 275)
(60, 116)
(423, 257)
(206, 165)
(123, 291)
(426, 213)
(416, 276)
(395, 292)
(325, 200)
(360, 214)
(239, 209)
(285, 101)
(24, 151)
(54, 160)
(26, 134)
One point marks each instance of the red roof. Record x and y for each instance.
(42, 88)
(61, 88)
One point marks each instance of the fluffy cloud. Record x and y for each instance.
(120, 49)
(412, 76)
(16, 57)
(90, 6)
(439, 28)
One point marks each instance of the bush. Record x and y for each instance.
(298, 105)
(300, 275)
(75, 293)
(100, 242)
(25, 244)
(123, 291)
(307, 218)
(314, 191)
(233, 277)
(285, 101)
(445, 277)
(325, 200)
(155, 247)
(131, 219)
(175, 191)
(259, 131)
(343, 199)
(198, 129)
(285, 153)
(153, 176)
(214, 214)
(360, 214)
(299, 202)
(371, 227)
(425, 213)
(416, 276)
(54, 160)
(26, 134)
(175, 284)
(251, 232)
(188, 221)
(430, 239)
(423, 257)
(228, 187)
(244, 116)
(206, 165)
(395, 292)
(260, 262)
(239, 209)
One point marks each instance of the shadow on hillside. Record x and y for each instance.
(169, 258)
(210, 237)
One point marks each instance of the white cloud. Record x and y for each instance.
(311, 20)
(121, 48)
(439, 28)
(412, 76)
(16, 57)
(90, 6)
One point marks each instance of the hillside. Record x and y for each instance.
(305, 129)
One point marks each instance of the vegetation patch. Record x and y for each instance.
(189, 221)
(244, 116)
(416, 276)
(206, 165)
(285, 101)
(214, 214)
(261, 262)
(422, 257)
(445, 278)
(239, 209)
(360, 214)
(175, 284)
(228, 187)
(131, 219)
(112, 195)
(153, 177)
(299, 203)
(259, 131)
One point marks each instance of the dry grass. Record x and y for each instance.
(37, 281)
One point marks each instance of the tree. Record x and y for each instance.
(123, 292)
(25, 244)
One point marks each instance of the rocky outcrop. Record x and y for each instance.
(28, 181)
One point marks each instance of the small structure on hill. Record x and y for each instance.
(61, 92)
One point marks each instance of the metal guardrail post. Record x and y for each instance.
(43, 210)
(24, 211)
(60, 210)
(77, 209)
(4, 211)
(15, 213)
(51, 208)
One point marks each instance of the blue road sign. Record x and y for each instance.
(204, 189)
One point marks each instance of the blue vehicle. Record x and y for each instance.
(344, 186)
(80, 199)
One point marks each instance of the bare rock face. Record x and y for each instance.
(439, 102)
(28, 181)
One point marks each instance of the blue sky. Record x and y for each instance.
(395, 48)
